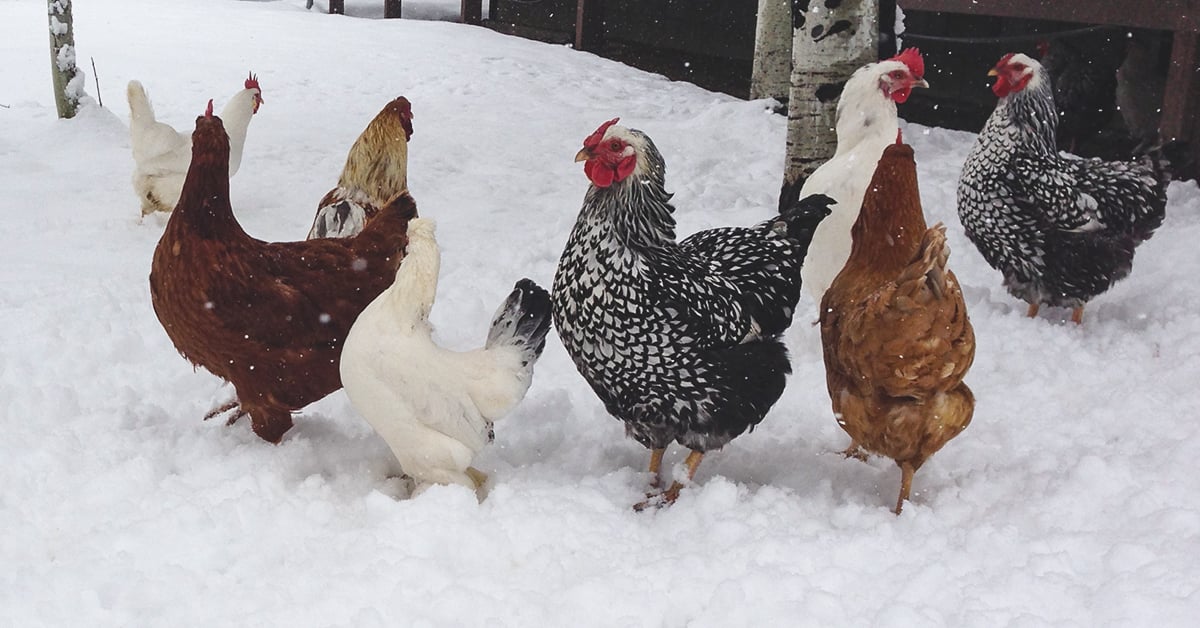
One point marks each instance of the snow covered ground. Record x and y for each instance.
(1072, 500)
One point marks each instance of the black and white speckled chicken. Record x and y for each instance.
(1062, 230)
(680, 340)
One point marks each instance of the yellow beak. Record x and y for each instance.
(993, 72)
(583, 155)
(921, 83)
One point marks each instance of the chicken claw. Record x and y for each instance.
(232, 404)
(854, 451)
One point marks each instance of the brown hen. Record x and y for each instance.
(376, 170)
(895, 330)
(270, 318)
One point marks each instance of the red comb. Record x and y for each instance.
(208, 112)
(912, 58)
(594, 139)
(1004, 60)
(252, 82)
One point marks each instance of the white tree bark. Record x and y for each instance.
(68, 80)
(772, 71)
(831, 39)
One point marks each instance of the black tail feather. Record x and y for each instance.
(801, 218)
(522, 320)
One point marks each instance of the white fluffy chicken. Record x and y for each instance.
(161, 155)
(435, 407)
(866, 124)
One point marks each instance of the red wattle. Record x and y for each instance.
(600, 176)
(1001, 88)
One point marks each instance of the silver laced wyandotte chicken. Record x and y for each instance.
(161, 154)
(376, 171)
(895, 331)
(1062, 230)
(435, 407)
(268, 317)
(867, 123)
(680, 340)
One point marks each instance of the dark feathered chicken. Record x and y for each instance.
(1085, 88)
(270, 318)
(1062, 230)
(679, 339)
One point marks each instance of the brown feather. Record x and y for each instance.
(270, 318)
(894, 326)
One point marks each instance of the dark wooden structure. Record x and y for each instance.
(472, 10)
(391, 8)
(1181, 101)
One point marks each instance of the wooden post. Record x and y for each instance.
(1179, 98)
(589, 24)
(472, 11)
(391, 9)
(337, 7)
(887, 29)
(68, 80)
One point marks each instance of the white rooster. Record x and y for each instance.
(435, 407)
(161, 155)
(866, 124)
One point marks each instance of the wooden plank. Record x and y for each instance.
(337, 7)
(1180, 97)
(391, 9)
(1174, 15)
(471, 11)
(589, 24)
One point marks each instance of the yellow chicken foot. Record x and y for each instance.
(1077, 315)
(668, 497)
(1033, 310)
(656, 457)
(907, 469)
(226, 407)
(478, 477)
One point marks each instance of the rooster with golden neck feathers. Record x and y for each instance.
(376, 171)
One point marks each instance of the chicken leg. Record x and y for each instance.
(907, 470)
(656, 457)
(1077, 315)
(668, 497)
(478, 477)
(1033, 310)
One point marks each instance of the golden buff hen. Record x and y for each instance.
(895, 331)
(376, 171)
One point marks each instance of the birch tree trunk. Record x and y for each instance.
(68, 80)
(831, 39)
(772, 51)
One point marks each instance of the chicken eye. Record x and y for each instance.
(615, 146)
(897, 74)
(1020, 67)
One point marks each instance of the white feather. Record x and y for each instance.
(866, 124)
(434, 407)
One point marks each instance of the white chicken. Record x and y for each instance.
(435, 407)
(161, 155)
(866, 124)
